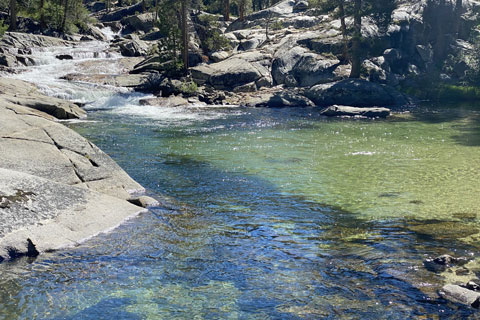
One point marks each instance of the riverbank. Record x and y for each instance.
(57, 189)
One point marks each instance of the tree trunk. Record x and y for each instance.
(43, 23)
(65, 12)
(185, 35)
(226, 10)
(13, 15)
(341, 8)
(357, 37)
(458, 16)
(241, 10)
(156, 10)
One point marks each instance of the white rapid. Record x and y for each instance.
(94, 57)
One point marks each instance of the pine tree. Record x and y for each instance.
(13, 15)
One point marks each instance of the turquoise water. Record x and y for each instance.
(269, 214)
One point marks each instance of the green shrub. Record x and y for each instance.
(277, 25)
(189, 88)
(3, 28)
(216, 41)
(445, 92)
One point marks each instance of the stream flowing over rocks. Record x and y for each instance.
(57, 189)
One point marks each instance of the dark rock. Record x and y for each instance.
(441, 263)
(133, 48)
(473, 285)
(87, 38)
(64, 57)
(346, 111)
(289, 99)
(356, 93)
(300, 6)
(153, 36)
(141, 22)
(122, 13)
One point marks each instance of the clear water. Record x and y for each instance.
(266, 214)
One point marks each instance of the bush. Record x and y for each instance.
(216, 41)
(189, 88)
(445, 92)
(3, 28)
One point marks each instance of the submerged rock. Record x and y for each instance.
(443, 262)
(342, 111)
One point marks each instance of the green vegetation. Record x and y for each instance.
(3, 27)
(189, 88)
(444, 92)
(67, 16)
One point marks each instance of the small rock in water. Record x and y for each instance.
(441, 263)
(473, 285)
(144, 202)
(461, 295)
(348, 111)
(64, 57)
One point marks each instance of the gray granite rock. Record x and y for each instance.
(49, 215)
(22, 93)
(56, 188)
(461, 295)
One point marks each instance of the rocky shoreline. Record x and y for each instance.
(57, 189)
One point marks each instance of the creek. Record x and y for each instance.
(266, 213)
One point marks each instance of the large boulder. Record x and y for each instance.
(288, 99)
(133, 48)
(56, 188)
(356, 93)
(300, 67)
(237, 71)
(95, 32)
(141, 22)
(121, 13)
(282, 9)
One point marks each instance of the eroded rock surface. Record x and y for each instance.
(56, 188)
(22, 93)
